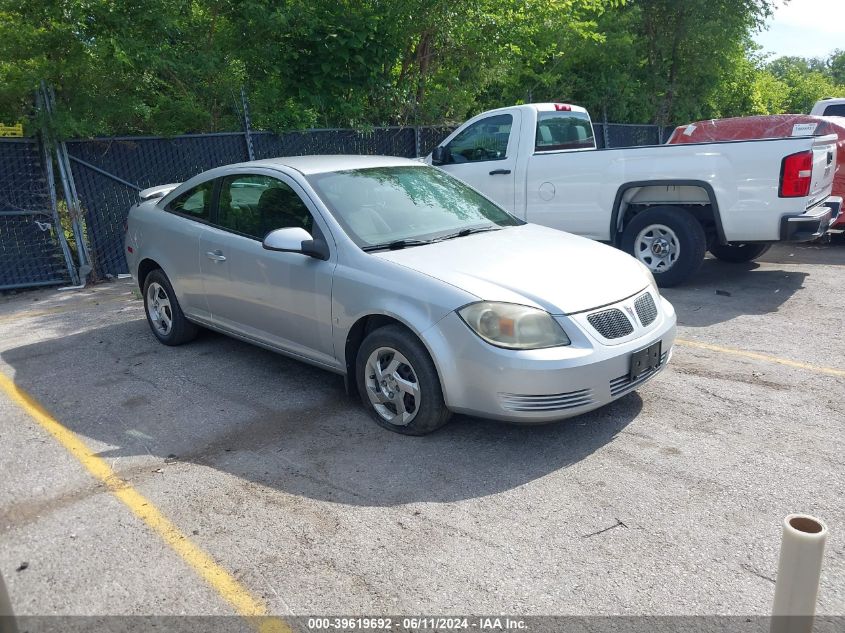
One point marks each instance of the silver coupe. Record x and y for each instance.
(428, 297)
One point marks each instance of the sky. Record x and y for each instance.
(805, 28)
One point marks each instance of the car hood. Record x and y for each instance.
(531, 265)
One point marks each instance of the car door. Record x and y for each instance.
(484, 155)
(177, 242)
(281, 299)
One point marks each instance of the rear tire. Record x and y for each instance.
(398, 382)
(164, 314)
(738, 253)
(669, 240)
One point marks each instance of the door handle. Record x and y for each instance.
(500, 172)
(216, 256)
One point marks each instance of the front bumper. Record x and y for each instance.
(535, 386)
(807, 226)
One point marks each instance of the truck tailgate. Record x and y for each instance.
(824, 168)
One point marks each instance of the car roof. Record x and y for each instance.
(330, 162)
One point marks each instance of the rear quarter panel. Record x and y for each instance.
(173, 243)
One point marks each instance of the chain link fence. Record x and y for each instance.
(387, 141)
(31, 252)
(109, 172)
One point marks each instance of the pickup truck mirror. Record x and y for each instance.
(440, 156)
(296, 240)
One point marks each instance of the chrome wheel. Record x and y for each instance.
(392, 386)
(657, 247)
(159, 309)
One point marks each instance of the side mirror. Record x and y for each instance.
(440, 156)
(296, 240)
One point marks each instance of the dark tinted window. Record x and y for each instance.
(563, 130)
(255, 205)
(835, 110)
(486, 139)
(195, 202)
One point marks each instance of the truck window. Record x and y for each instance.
(563, 130)
(835, 110)
(486, 139)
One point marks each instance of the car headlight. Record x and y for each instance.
(513, 326)
(650, 276)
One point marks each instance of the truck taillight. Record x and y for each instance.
(563, 107)
(796, 172)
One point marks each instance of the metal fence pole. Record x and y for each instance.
(250, 152)
(57, 223)
(51, 186)
(71, 198)
(605, 128)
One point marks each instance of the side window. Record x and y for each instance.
(837, 109)
(195, 202)
(486, 139)
(563, 130)
(254, 205)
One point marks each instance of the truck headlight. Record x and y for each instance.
(513, 326)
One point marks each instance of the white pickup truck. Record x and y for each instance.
(830, 106)
(667, 204)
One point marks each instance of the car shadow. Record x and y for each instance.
(280, 423)
(721, 291)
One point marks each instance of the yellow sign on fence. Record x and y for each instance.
(11, 130)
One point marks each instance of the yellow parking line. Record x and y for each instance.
(218, 578)
(831, 371)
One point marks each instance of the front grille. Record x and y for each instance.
(611, 323)
(620, 385)
(550, 402)
(646, 309)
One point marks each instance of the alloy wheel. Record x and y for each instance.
(159, 308)
(392, 386)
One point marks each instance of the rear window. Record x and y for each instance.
(563, 130)
(835, 110)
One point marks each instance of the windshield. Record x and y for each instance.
(385, 205)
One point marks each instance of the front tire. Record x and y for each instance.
(669, 240)
(164, 314)
(738, 253)
(398, 382)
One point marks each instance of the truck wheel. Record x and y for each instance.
(398, 382)
(669, 240)
(738, 253)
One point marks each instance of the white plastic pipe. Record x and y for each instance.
(799, 570)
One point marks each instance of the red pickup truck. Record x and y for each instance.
(772, 126)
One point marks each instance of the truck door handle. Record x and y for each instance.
(500, 172)
(216, 256)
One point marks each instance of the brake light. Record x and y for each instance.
(563, 107)
(796, 172)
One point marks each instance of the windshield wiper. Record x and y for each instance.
(399, 244)
(470, 231)
(395, 245)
